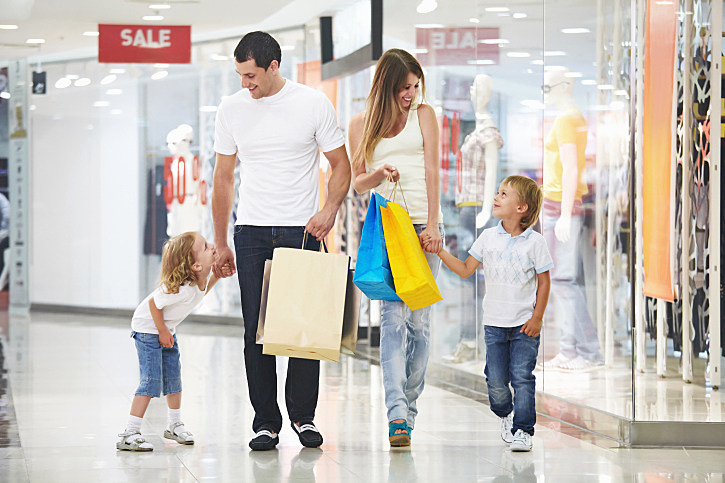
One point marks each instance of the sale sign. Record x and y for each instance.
(168, 44)
(456, 46)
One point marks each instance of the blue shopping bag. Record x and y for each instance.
(372, 272)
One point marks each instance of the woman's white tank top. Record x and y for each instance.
(405, 152)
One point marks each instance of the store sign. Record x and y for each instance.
(170, 44)
(456, 46)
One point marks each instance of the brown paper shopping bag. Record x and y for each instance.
(352, 315)
(263, 301)
(305, 304)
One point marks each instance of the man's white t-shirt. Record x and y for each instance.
(278, 141)
(510, 265)
(175, 307)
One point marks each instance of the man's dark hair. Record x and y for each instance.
(259, 46)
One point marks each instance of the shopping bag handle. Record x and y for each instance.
(397, 185)
(304, 242)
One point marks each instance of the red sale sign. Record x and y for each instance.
(169, 44)
(456, 46)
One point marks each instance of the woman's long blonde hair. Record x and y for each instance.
(177, 260)
(382, 107)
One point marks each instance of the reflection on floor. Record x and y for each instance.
(72, 376)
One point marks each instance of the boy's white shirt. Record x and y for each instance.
(175, 308)
(510, 265)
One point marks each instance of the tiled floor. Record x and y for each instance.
(69, 384)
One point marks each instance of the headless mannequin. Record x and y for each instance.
(563, 222)
(483, 158)
(186, 216)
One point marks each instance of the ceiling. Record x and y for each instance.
(62, 22)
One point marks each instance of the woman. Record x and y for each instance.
(397, 137)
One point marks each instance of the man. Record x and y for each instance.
(276, 128)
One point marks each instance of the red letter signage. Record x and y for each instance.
(169, 44)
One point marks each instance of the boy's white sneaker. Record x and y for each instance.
(521, 442)
(506, 424)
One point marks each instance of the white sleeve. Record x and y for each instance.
(327, 133)
(543, 261)
(476, 250)
(223, 139)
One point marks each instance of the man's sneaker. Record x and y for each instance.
(178, 433)
(264, 440)
(579, 364)
(557, 362)
(464, 351)
(309, 436)
(506, 424)
(133, 441)
(521, 442)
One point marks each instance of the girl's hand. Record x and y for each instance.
(389, 171)
(430, 239)
(166, 339)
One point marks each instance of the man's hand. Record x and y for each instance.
(321, 224)
(532, 327)
(562, 229)
(223, 266)
(166, 339)
(430, 239)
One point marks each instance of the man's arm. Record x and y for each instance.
(222, 199)
(321, 224)
(569, 183)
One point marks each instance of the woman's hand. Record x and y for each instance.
(430, 239)
(389, 172)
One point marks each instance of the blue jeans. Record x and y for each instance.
(578, 336)
(404, 348)
(159, 366)
(254, 245)
(510, 359)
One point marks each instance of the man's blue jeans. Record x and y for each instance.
(510, 359)
(254, 245)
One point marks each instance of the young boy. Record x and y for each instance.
(516, 264)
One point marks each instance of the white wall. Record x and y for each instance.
(85, 191)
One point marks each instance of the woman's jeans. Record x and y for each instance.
(404, 348)
(511, 359)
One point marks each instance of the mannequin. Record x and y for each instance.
(564, 164)
(480, 155)
(479, 160)
(183, 187)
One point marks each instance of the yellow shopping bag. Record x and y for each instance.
(414, 282)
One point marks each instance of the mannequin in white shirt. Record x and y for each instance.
(187, 215)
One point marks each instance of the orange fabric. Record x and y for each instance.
(659, 64)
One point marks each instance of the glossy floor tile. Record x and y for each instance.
(70, 378)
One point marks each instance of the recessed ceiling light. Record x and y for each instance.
(152, 18)
(108, 79)
(497, 9)
(161, 66)
(554, 53)
(91, 34)
(481, 62)
(62, 83)
(474, 20)
(589, 82)
(117, 71)
(219, 57)
(82, 82)
(5, 95)
(418, 51)
(494, 41)
(519, 55)
(162, 6)
(605, 87)
(114, 92)
(577, 30)
(621, 92)
(520, 15)
(101, 104)
(35, 41)
(8, 27)
(426, 6)
(159, 75)
(537, 62)
(428, 25)
(574, 75)
(72, 76)
(284, 48)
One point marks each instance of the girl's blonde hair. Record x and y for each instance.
(382, 107)
(177, 260)
(530, 193)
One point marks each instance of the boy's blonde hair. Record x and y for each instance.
(177, 260)
(530, 193)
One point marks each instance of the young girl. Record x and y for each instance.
(186, 261)
(397, 128)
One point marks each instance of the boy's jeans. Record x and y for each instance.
(511, 358)
(404, 348)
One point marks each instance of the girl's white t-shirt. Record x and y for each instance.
(175, 307)
(277, 140)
